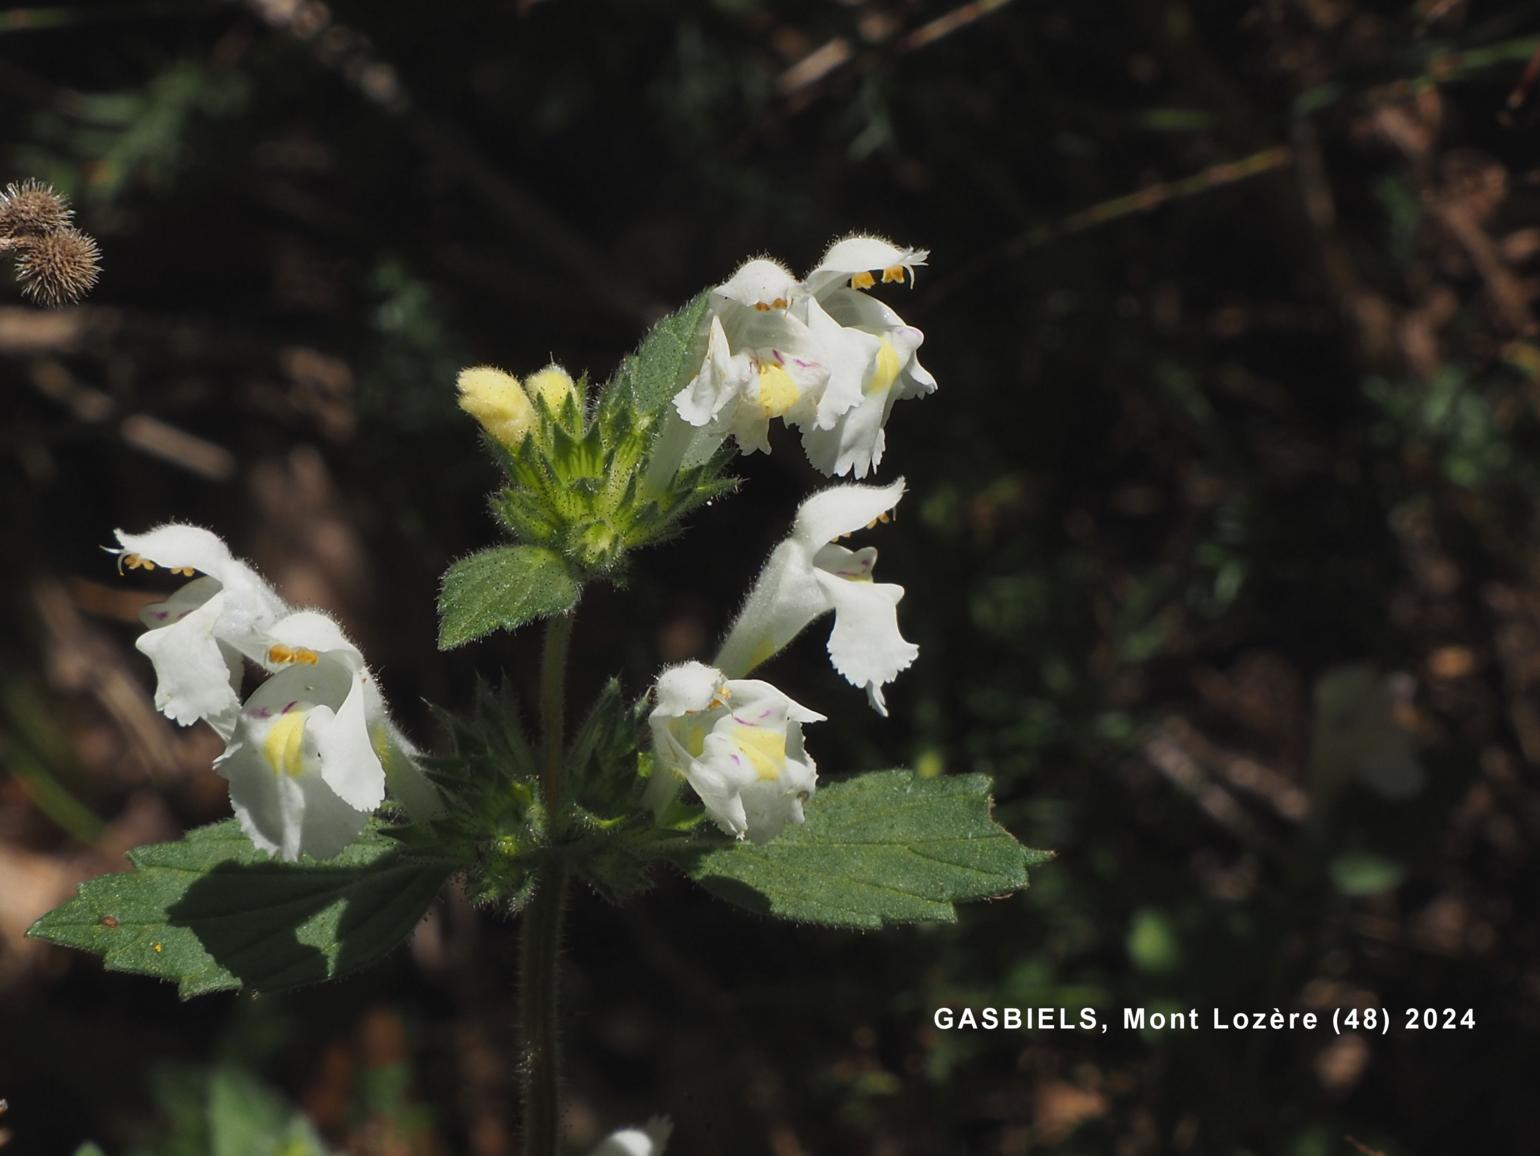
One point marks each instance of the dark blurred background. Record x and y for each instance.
(1221, 543)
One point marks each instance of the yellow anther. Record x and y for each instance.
(720, 698)
(279, 653)
(761, 307)
(862, 281)
(146, 564)
(780, 303)
(892, 273)
(129, 560)
(185, 571)
(881, 519)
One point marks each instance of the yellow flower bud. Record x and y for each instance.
(554, 384)
(498, 402)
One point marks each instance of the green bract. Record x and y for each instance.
(495, 823)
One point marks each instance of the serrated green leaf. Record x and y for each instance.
(667, 358)
(504, 587)
(212, 913)
(879, 849)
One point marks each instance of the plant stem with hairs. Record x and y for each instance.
(540, 945)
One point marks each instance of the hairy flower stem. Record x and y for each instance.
(540, 946)
(553, 693)
(540, 1067)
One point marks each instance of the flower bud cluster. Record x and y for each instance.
(575, 471)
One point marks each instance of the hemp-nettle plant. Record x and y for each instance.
(344, 831)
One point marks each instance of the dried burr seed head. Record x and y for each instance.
(58, 268)
(32, 209)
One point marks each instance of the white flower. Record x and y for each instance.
(739, 744)
(854, 441)
(197, 638)
(808, 575)
(301, 638)
(771, 352)
(644, 1141)
(302, 766)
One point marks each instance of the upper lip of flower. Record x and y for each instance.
(209, 623)
(860, 257)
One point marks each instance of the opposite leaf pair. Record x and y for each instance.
(309, 753)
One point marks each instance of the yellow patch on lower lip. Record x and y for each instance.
(765, 750)
(886, 367)
(777, 391)
(284, 746)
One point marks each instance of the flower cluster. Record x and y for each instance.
(310, 752)
(738, 742)
(821, 354)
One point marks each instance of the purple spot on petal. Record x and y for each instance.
(290, 707)
(162, 615)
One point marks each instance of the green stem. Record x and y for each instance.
(540, 945)
(540, 1066)
(553, 689)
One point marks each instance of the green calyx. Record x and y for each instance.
(576, 483)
